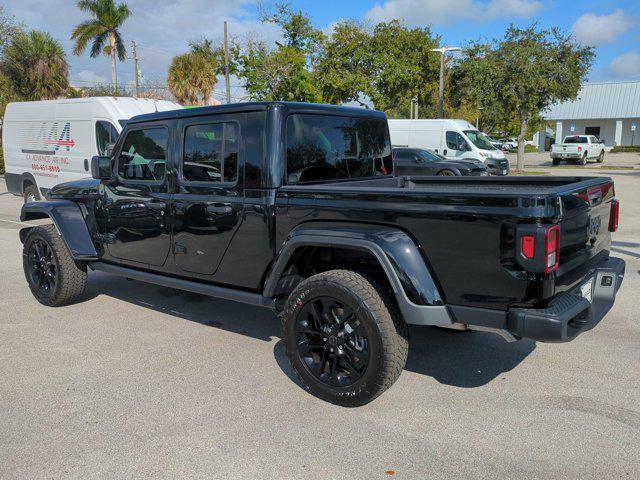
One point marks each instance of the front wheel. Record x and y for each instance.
(344, 337)
(53, 276)
(30, 194)
(601, 157)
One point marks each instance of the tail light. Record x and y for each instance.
(538, 248)
(614, 215)
(552, 248)
(579, 148)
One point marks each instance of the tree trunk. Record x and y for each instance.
(523, 132)
(112, 46)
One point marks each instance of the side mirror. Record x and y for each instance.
(101, 167)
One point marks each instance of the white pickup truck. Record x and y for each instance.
(579, 149)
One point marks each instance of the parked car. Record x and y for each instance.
(52, 141)
(453, 139)
(348, 258)
(578, 149)
(509, 143)
(496, 143)
(419, 161)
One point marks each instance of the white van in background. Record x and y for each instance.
(453, 139)
(52, 141)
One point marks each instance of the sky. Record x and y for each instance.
(163, 28)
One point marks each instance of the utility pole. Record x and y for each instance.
(226, 63)
(442, 51)
(414, 109)
(135, 68)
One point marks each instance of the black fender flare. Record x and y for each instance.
(70, 222)
(414, 287)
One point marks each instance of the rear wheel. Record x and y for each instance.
(447, 173)
(53, 276)
(555, 161)
(583, 160)
(601, 157)
(30, 194)
(344, 338)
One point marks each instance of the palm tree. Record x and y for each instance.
(35, 66)
(108, 18)
(192, 75)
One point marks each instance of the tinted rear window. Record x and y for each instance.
(329, 147)
(575, 140)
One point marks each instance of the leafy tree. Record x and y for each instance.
(35, 66)
(284, 72)
(192, 75)
(102, 31)
(516, 78)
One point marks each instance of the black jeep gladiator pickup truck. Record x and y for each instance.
(291, 207)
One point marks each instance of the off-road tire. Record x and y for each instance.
(71, 275)
(30, 194)
(601, 157)
(376, 309)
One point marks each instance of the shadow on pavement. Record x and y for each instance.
(462, 359)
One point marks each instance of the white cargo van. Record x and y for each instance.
(453, 139)
(52, 141)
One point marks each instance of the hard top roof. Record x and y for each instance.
(298, 107)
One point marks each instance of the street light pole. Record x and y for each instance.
(442, 51)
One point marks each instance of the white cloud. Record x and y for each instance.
(626, 66)
(90, 77)
(595, 30)
(437, 12)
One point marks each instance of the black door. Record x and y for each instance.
(208, 207)
(136, 203)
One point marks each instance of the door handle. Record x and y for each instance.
(444, 152)
(219, 209)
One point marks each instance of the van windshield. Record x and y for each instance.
(479, 139)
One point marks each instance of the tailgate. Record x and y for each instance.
(585, 235)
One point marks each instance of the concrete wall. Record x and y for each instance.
(607, 130)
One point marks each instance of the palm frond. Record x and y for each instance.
(121, 51)
(98, 44)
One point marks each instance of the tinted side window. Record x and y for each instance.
(211, 153)
(403, 155)
(144, 154)
(106, 133)
(328, 147)
(454, 140)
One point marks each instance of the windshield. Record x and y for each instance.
(479, 139)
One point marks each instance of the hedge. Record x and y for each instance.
(628, 148)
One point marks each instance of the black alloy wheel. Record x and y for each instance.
(42, 268)
(332, 342)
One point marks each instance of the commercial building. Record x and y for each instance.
(610, 111)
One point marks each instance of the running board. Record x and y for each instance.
(187, 285)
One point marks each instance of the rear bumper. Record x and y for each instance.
(566, 156)
(567, 315)
(570, 313)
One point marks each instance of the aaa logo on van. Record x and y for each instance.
(63, 139)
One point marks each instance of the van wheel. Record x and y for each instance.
(601, 157)
(53, 276)
(30, 194)
(344, 337)
(446, 173)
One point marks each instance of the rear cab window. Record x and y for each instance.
(332, 147)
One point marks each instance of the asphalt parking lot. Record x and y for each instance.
(146, 382)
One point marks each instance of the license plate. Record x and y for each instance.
(586, 290)
(504, 172)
